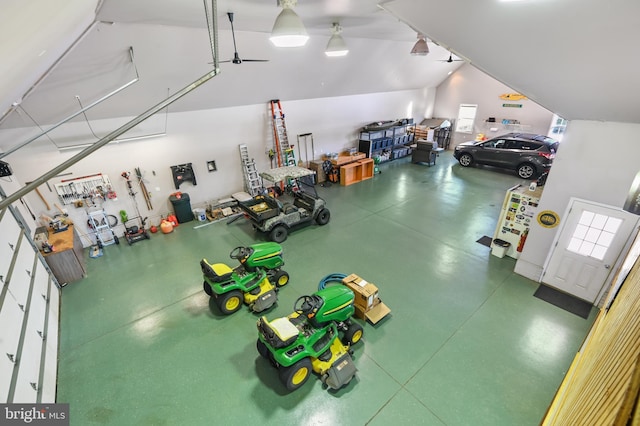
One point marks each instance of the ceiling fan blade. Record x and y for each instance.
(255, 60)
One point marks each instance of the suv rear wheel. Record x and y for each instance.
(526, 171)
(465, 160)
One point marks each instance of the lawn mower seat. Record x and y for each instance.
(217, 272)
(279, 333)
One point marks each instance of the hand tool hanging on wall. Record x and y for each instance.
(132, 193)
(143, 188)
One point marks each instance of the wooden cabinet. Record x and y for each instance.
(67, 261)
(356, 172)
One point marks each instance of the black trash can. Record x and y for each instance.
(182, 207)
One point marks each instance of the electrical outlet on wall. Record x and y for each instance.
(211, 166)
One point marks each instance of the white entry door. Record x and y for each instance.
(588, 245)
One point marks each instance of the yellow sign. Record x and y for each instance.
(513, 97)
(548, 219)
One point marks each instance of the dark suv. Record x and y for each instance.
(528, 154)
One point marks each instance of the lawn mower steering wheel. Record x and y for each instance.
(303, 304)
(239, 253)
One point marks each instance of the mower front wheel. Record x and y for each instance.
(281, 278)
(295, 375)
(230, 302)
(353, 334)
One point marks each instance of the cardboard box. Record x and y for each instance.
(316, 166)
(373, 315)
(367, 302)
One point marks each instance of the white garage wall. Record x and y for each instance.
(197, 137)
(596, 161)
(468, 85)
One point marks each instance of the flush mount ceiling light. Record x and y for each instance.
(336, 45)
(420, 48)
(288, 30)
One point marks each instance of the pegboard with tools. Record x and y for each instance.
(70, 191)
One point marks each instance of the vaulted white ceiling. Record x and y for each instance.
(575, 57)
(171, 49)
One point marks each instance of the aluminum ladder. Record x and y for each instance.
(284, 152)
(252, 181)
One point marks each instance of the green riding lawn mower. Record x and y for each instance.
(316, 337)
(255, 281)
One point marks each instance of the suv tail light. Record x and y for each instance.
(547, 155)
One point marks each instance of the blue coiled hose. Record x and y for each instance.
(334, 277)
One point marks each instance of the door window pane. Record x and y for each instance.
(593, 234)
(613, 223)
(586, 218)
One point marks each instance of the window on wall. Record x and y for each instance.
(558, 126)
(466, 117)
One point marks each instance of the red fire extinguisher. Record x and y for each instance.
(523, 238)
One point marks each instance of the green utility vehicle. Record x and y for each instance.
(299, 205)
(317, 337)
(255, 281)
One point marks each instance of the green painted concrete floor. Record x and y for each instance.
(466, 342)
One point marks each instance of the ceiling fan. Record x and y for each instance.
(236, 58)
(451, 59)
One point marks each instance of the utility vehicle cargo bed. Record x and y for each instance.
(260, 208)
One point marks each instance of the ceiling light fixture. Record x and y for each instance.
(336, 45)
(288, 29)
(420, 48)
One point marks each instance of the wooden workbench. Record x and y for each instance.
(346, 159)
(67, 260)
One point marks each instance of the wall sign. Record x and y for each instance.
(548, 219)
(512, 97)
(512, 105)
